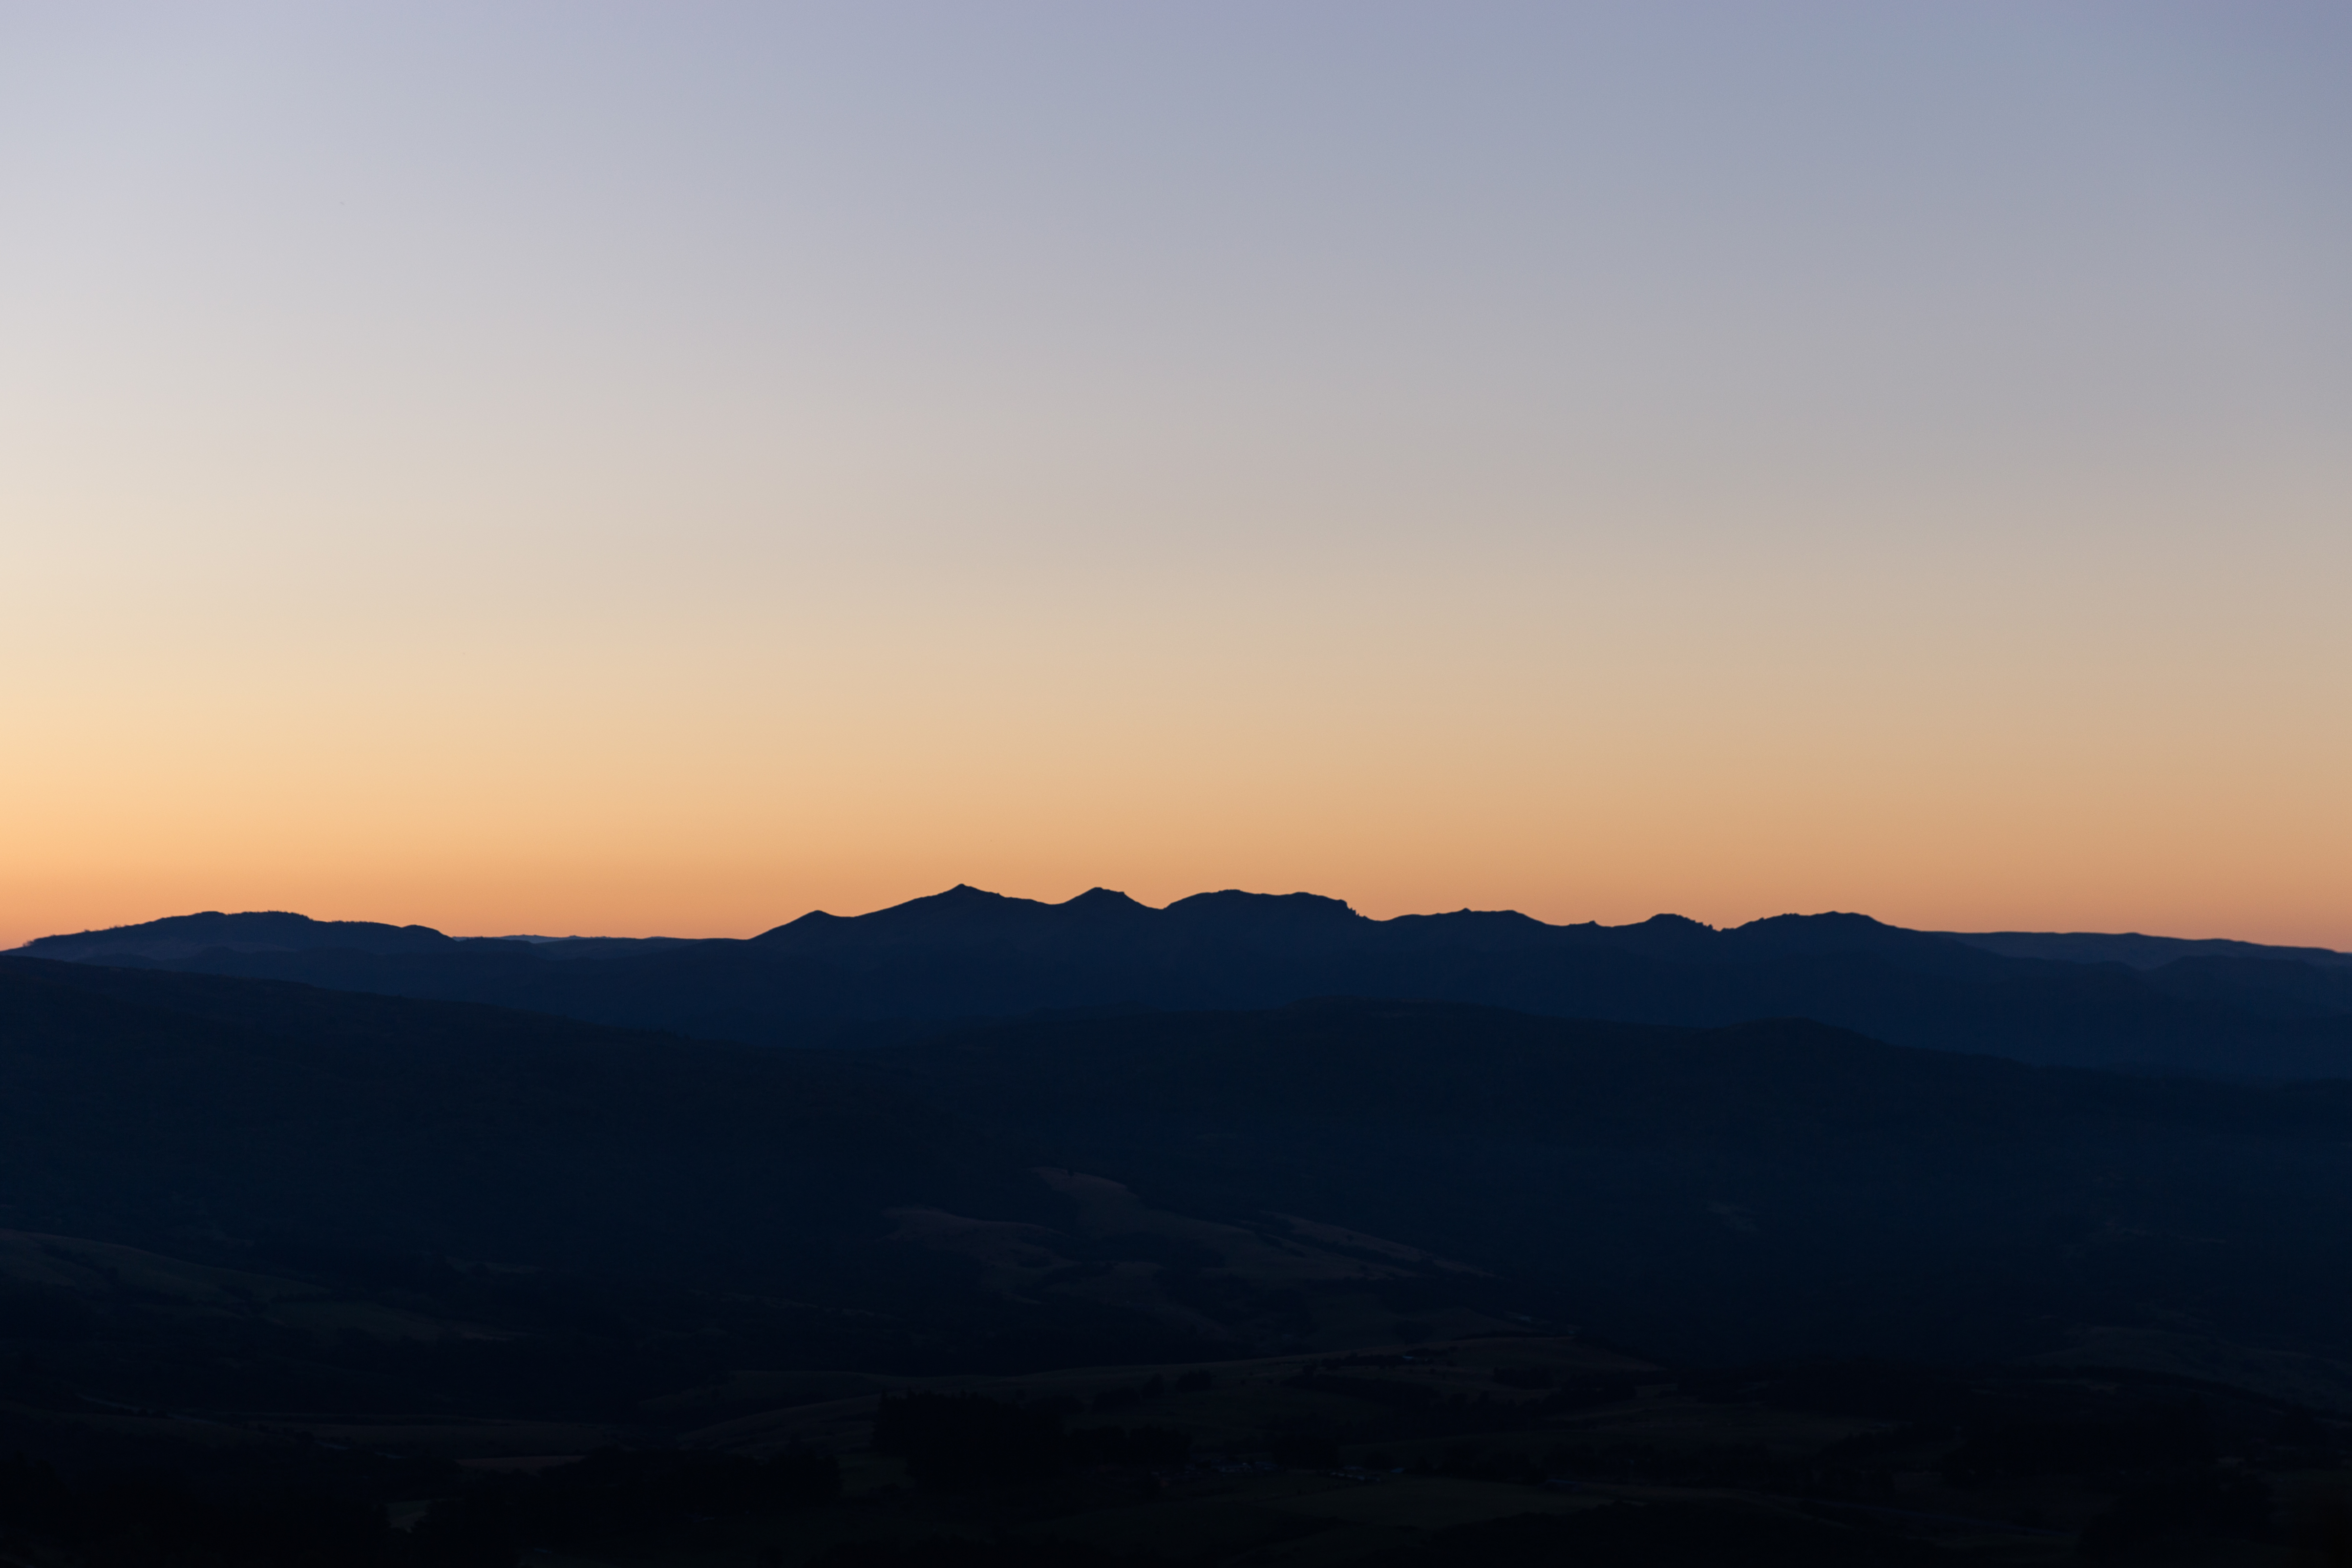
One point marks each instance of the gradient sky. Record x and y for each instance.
(663, 467)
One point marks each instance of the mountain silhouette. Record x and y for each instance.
(963, 956)
(257, 931)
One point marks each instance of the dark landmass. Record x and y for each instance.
(937, 965)
(1144, 1187)
(2137, 950)
(293, 1275)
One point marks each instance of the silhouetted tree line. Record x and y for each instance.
(950, 1441)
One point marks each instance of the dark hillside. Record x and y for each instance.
(400, 1189)
(151, 1103)
(1323, 1174)
(274, 1257)
(1844, 1194)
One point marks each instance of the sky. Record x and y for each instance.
(662, 467)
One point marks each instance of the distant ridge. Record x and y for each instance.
(2132, 948)
(968, 913)
(178, 938)
(967, 910)
(256, 931)
(966, 955)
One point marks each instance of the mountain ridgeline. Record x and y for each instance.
(309, 1273)
(2221, 1009)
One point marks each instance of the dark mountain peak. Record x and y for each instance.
(251, 931)
(1835, 931)
(961, 902)
(1668, 928)
(1233, 912)
(1104, 903)
(962, 895)
(1826, 922)
(961, 915)
(1501, 917)
(1482, 929)
(816, 922)
(1666, 936)
(1105, 896)
(1293, 905)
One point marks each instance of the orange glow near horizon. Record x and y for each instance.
(1598, 738)
(570, 827)
(1589, 462)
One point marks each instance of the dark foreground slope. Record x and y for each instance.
(1318, 1176)
(1770, 1189)
(937, 963)
(438, 1202)
(344, 1240)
